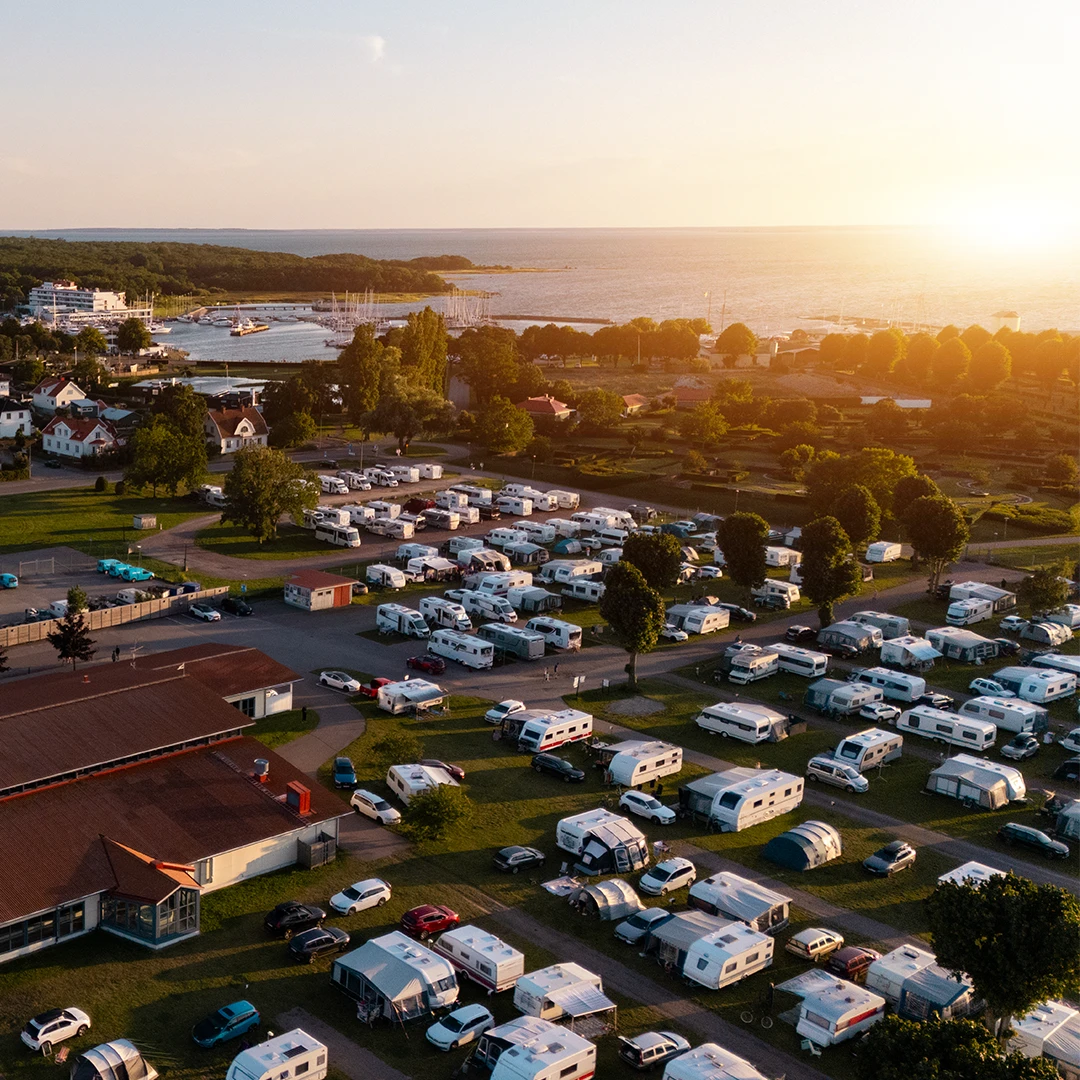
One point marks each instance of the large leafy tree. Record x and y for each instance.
(408, 410)
(736, 340)
(884, 351)
(185, 409)
(360, 365)
(282, 399)
(88, 372)
(423, 351)
(910, 488)
(294, 430)
(432, 814)
(936, 1049)
(487, 359)
(161, 455)
(875, 467)
(658, 557)
(858, 513)
(71, 638)
(262, 485)
(705, 426)
(951, 362)
(937, 531)
(1019, 942)
(503, 428)
(600, 409)
(1044, 590)
(634, 611)
(132, 335)
(991, 365)
(1062, 469)
(829, 572)
(91, 341)
(742, 538)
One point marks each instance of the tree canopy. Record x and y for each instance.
(829, 573)
(742, 537)
(600, 409)
(937, 531)
(432, 814)
(262, 485)
(1043, 590)
(503, 428)
(183, 408)
(163, 456)
(858, 514)
(487, 359)
(874, 467)
(910, 488)
(360, 365)
(407, 411)
(71, 636)
(634, 611)
(132, 335)
(736, 340)
(658, 557)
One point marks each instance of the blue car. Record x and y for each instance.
(344, 773)
(227, 1023)
(104, 566)
(8, 581)
(136, 573)
(117, 569)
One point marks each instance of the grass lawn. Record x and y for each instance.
(280, 728)
(82, 518)
(234, 540)
(1031, 558)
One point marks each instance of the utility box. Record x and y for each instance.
(317, 852)
(144, 521)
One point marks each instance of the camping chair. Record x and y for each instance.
(806, 1044)
(62, 1054)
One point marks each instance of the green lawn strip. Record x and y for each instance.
(235, 541)
(1031, 558)
(280, 728)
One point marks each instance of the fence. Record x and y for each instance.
(25, 633)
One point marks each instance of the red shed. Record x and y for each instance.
(315, 590)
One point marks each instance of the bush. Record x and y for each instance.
(121, 487)
(433, 813)
(101, 484)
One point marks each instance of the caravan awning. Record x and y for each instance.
(922, 650)
(581, 1000)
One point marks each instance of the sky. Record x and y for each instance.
(501, 113)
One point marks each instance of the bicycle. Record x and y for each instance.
(750, 1014)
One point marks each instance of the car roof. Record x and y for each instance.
(237, 1008)
(475, 1009)
(368, 883)
(368, 795)
(648, 1039)
(677, 863)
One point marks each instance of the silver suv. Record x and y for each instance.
(838, 773)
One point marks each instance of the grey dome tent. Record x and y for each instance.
(612, 899)
(116, 1060)
(813, 843)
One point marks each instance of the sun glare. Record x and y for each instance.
(1007, 227)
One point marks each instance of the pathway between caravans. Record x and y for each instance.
(345, 1055)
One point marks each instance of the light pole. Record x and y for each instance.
(736, 510)
(534, 467)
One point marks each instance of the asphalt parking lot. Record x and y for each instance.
(38, 589)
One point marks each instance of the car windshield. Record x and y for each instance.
(452, 1023)
(380, 804)
(660, 874)
(649, 801)
(351, 893)
(848, 770)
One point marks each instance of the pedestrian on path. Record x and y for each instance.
(303, 714)
(547, 675)
(556, 671)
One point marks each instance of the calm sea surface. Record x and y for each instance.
(772, 279)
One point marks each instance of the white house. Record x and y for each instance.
(14, 417)
(232, 429)
(78, 438)
(56, 392)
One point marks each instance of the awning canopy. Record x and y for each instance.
(581, 1000)
(922, 650)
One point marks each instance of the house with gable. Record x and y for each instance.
(55, 392)
(232, 429)
(72, 437)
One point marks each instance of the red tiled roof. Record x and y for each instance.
(692, 393)
(225, 669)
(81, 428)
(318, 579)
(227, 420)
(543, 406)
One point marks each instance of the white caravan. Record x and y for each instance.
(745, 797)
(430, 471)
(632, 764)
(867, 749)
(405, 552)
(1036, 684)
(698, 619)
(499, 584)
(589, 592)
(740, 898)
(529, 1048)
(745, 721)
(385, 509)
(405, 781)
(558, 633)
(883, 551)
(728, 955)
(514, 504)
(966, 612)
(466, 649)
(485, 606)
(837, 1013)
(752, 663)
(1008, 714)
(398, 619)
(805, 662)
(542, 993)
(548, 730)
(409, 695)
(945, 727)
(477, 496)
(893, 684)
(296, 1053)
(782, 556)
(482, 957)
(537, 532)
(567, 500)
(710, 1061)
(388, 577)
(448, 499)
(405, 474)
(566, 571)
(891, 626)
(358, 515)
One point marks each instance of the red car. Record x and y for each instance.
(418, 506)
(371, 689)
(433, 665)
(427, 919)
(456, 771)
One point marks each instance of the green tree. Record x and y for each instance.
(918, 360)
(705, 426)
(859, 515)
(801, 433)
(1062, 470)
(947, 333)
(910, 488)
(991, 365)
(88, 373)
(423, 351)
(183, 408)
(951, 362)
(975, 337)
(132, 335)
(736, 340)
(634, 611)
(410, 410)
(282, 399)
(28, 371)
(1019, 942)
(884, 351)
(855, 352)
(360, 364)
(487, 360)
(600, 409)
(937, 531)
(828, 570)
(77, 599)
(887, 421)
(503, 428)
(936, 1049)
(875, 467)
(1044, 589)
(262, 485)
(742, 539)
(294, 430)
(91, 341)
(658, 557)
(163, 456)
(71, 638)
(795, 460)
(432, 814)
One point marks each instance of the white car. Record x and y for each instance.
(460, 1027)
(46, 1030)
(673, 633)
(364, 802)
(667, 876)
(1012, 624)
(709, 572)
(204, 612)
(372, 892)
(497, 713)
(340, 680)
(989, 688)
(880, 712)
(647, 806)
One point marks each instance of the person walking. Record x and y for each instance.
(556, 672)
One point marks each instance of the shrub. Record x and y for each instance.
(101, 484)
(121, 487)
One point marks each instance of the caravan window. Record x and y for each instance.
(302, 1067)
(731, 967)
(729, 800)
(702, 964)
(787, 792)
(913, 721)
(752, 958)
(446, 984)
(946, 728)
(758, 803)
(569, 1070)
(968, 735)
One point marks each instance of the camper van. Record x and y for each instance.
(745, 721)
(477, 496)
(387, 577)
(485, 606)
(405, 552)
(514, 504)
(883, 551)
(565, 571)
(1036, 684)
(295, 1053)
(868, 749)
(893, 684)
(405, 474)
(500, 584)
(529, 1048)
(467, 650)
(891, 626)
(398, 619)
(340, 535)
(566, 500)
(698, 619)
(631, 764)
(605, 842)
(735, 897)
(544, 731)
(564, 527)
(798, 661)
(333, 485)
(782, 593)
(536, 532)
(590, 592)
(1007, 714)
(444, 613)
(948, 728)
(448, 520)
(590, 521)
(744, 797)
(356, 481)
(385, 509)
(409, 695)
(965, 612)
(405, 781)
(531, 598)
(358, 515)
(558, 633)
(482, 957)
(751, 663)
(513, 641)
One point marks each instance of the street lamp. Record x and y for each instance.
(534, 467)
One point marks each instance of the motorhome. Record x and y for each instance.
(883, 551)
(482, 560)
(590, 592)
(558, 633)
(891, 626)
(838, 1012)
(501, 537)
(431, 568)
(631, 764)
(457, 545)
(785, 591)
(529, 1048)
(486, 607)
(1001, 599)
(782, 556)
(477, 496)
(748, 663)
(514, 504)
(430, 471)
(1046, 633)
(566, 500)
(357, 481)
(909, 652)
(333, 485)
(1058, 662)
(482, 957)
(387, 577)
(830, 697)
(590, 521)
(565, 571)
(530, 598)
(444, 613)
(945, 727)
(895, 685)
(798, 661)
(499, 584)
(617, 519)
(295, 1053)
(385, 509)
(398, 619)
(406, 781)
(606, 843)
(745, 721)
(542, 731)
(513, 640)
(448, 499)
(966, 612)
(358, 515)
(989, 784)
(848, 632)
(735, 897)
(332, 515)
(405, 552)
(398, 529)
(1007, 714)
(470, 651)
(741, 797)
(339, 535)
(537, 532)
(448, 520)
(1036, 684)
(409, 695)
(564, 527)
(405, 474)
(868, 749)
(698, 619)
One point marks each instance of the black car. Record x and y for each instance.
(318, 941)
(1068, 770)
(936, 701)
(1006, 646)
(53, 463)
(641, 513)
(800, 633)
(489, 513)
(740, 613)
(557, 766)
(841, 650)
(512, 859)
(235, 606)
(291, 917)
(1011, 833)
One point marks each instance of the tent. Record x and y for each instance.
(1067, 825)
(805, 846)
(932, 991)
(976, 784)
(116, 1060)
(611, 900)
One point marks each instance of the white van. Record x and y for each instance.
(749, 665)
(610, 556)
(398, 619)
(798, 661)
(514, 504)
(488, 606)
(405, 474)
(558, 633)
(340, 535)
(773, 590)
(965, 612)
(466, 649)
(500, 584)
(613, 537)
(744, 721)
(891, 626)
(444, 613)
(567, 500)
(295, 1053)
(1008, 714)
(945, 727)
(546, 731)
(388, 577)
(893, 684)
(591, 592)
(537, 532)
(333, 485)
